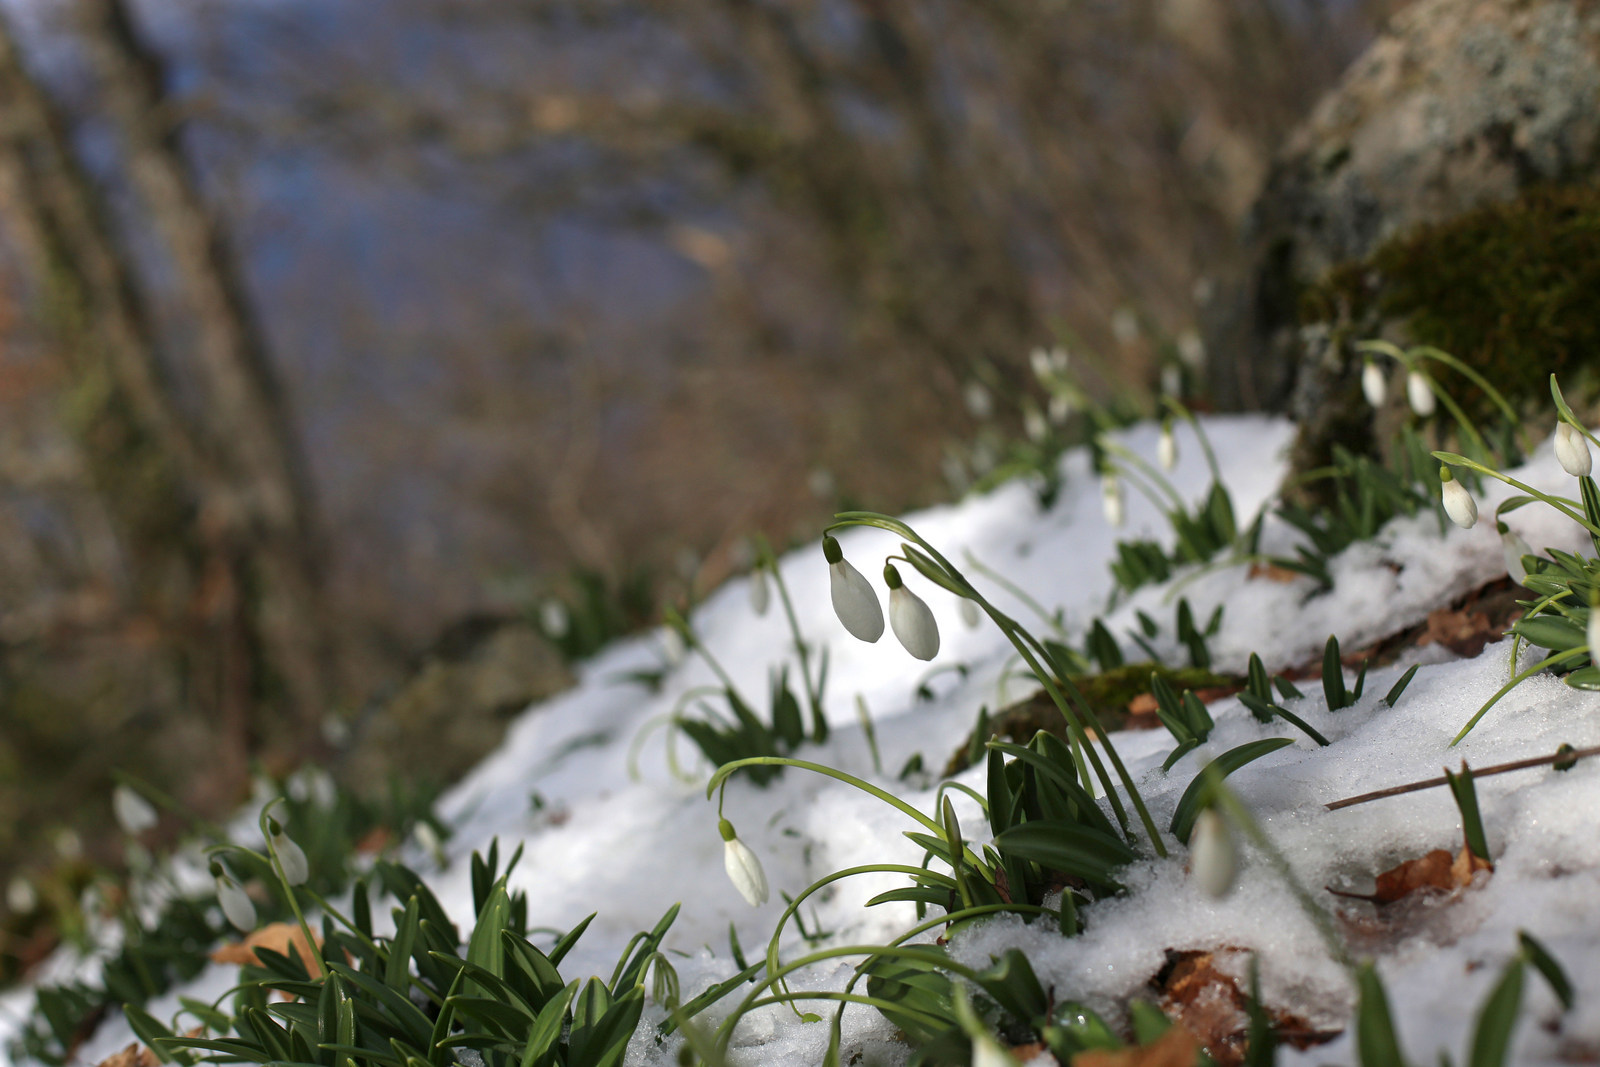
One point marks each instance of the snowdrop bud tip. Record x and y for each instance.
(1458, 503)
(1573, 451)
(744, 869)
(855, 601)
(913, 623)
(1419, 392)
(1212, 856)
(760, 593)
(1593, 632)
(1167, 448)
(134, 813)
(1373, 385)
(1111, 499)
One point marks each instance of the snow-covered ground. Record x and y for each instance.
(604, 841)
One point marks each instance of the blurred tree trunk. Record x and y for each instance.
(209, 496)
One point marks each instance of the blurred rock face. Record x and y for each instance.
(1460, 103)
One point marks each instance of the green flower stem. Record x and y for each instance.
(288, 890)
(1177, 408)
(1559, 657)
(819, 722)
(1123, 452)
(1016, 634)
(1494, 395)
(680, 624)
(884, 795)
(1014, 589)
(1241, 817)
(1556, 502)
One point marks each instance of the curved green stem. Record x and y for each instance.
(1121, 451)
(1184, 413)
(1560, 657)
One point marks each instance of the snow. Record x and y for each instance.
(627, 847)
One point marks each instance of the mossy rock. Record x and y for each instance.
(1108, 694)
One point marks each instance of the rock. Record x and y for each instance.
(1459, 104)
(455, 708)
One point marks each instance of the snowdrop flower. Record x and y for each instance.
(1059, 408)
(744, 870)
(1167, 448)
(1373, 384)
(1111, 500)
(1572, 450)
(291, 857)
(1039, 360)
(1514, 548)
(134, 813)
(21, 897)
(1191, 349)
(553, 618)
(672, 646)
(980, 405)
(1213, 859)
(1592, 634)
(1034, 424)
(970, 615)
(236, 905)
(760, 592)
(1171, 380)
(1420, 394)
(1458, 503)
(854, 600)
(910, 617)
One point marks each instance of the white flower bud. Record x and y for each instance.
(1458, 503)
(134, 813)
(744, 869)
(21, 897)
(980, 405)
(1167, 448)
(1592, 633)
(1420, 394)
(672, 646)
(970, 615)
(236, 903)
(1039, 360)
(553, 618)
(854, 600)
(1572, 450)
(1059, 408)
(1212, 857)
(1514, 548)
(1171, 380)
(1034, 425)
(760, 591)
(290, 855)
(1191, 349)
(1373, 384)
(911, 619)
(1111, 499)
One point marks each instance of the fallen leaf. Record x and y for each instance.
(1175, 1048)
(275, 936)
(1438, 871)
(1273, 573)
(376, 840)
(1205, 1000)
(135, 1055)
(1463, 632)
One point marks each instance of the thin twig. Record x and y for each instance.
(1499, 768)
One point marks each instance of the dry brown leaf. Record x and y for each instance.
(1175, 1048)
(376, 840)
(275, 936)
(1273, 573)
(135, 1055)
(1438, 870)
(1463, 632)
(1208, 1004)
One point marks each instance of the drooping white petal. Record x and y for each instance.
(980, 404)
(1593, 632)
(236, 904)
(1167, 449)
(970, 614)
(1059, 408)
(1111, 499)
(913, 623)
(134, 813)
(1420, 394)
(1373, 384)
(292, 857)
(21, 897)
(760, 591)
(1514, 548)
(554, 619)
(855, 601)
(1039, 360)
(1034, 425)
(745, 872)
(1212, 857)
(1459, 505)
(1573, 451)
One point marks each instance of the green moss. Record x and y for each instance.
(1512, 289)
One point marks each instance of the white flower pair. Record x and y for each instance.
(856, 604)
